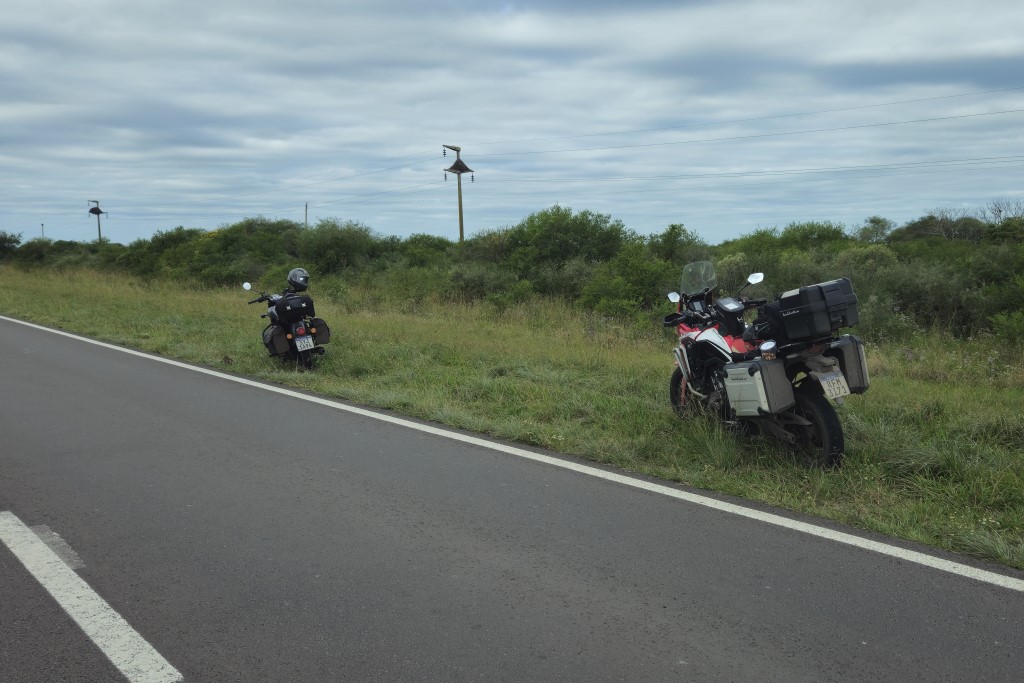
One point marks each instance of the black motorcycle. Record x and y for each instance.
(294, 334)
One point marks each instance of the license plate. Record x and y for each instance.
(306, 343)
(834, 384)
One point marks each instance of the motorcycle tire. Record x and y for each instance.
(677, 393)
(821, 443)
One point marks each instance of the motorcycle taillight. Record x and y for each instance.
(300, 331)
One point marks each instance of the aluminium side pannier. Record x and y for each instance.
(758, 387)
(849, 350)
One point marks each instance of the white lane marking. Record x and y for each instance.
(126, 649)
(923, 559)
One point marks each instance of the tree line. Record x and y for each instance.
(951, 270)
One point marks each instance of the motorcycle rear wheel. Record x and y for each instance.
(821, 443)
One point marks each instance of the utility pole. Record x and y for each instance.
(42, 228)
(307, 215)
(96, 212)
(458, 168)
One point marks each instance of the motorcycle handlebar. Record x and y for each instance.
(673, 319)
(687, 317)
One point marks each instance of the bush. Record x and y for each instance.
(8, 244)
(611, 295)
(518, 293)
(556, 236)
(1009, 327)
(633, 275)
(863, 264)
(565, 281)
(678, 246)
(474, 281)
(732, 272)
(334, 246)
(875, 230)
(427, 250)
(33, 252)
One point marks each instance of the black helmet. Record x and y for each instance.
(298, 279)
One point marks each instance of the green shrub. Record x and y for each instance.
(8, 244)
(333, 246)
(517, 293)
(474, 281)
(1009, 327)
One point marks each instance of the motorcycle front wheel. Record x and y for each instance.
(677, 392)
(820, 443)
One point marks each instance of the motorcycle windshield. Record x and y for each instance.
(697, 277)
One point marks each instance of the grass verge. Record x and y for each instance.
(933, 449)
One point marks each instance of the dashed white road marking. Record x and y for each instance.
(923, 559)
(124, 647)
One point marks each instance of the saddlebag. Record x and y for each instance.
(849, 350)
(819, 310)
(758, 387)
(322, 333)
(291, 308)
(275, 338)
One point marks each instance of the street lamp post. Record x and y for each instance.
(458, 168)
(96, 212)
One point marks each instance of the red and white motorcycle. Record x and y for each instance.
(776, 377)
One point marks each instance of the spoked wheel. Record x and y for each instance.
(817, 433)
(677, 393)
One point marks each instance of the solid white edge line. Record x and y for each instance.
(914, 556)
(124, 647)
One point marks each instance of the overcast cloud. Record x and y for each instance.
(726, 116)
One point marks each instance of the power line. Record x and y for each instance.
(750, 120)
(753, 136)
(415, 160)
(687, 188)
(980, 163)
(433, 157)
(249, 212)
(820, 169)
(733, 138)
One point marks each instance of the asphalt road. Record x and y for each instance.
(250, 536)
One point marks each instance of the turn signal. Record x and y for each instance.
(312, 330)
(289, 336)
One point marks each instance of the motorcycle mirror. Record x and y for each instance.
(673, 297)
(755, 278)
(246, 286)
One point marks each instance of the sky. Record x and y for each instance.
(726, 116)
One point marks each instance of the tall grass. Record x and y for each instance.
(933, 449)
